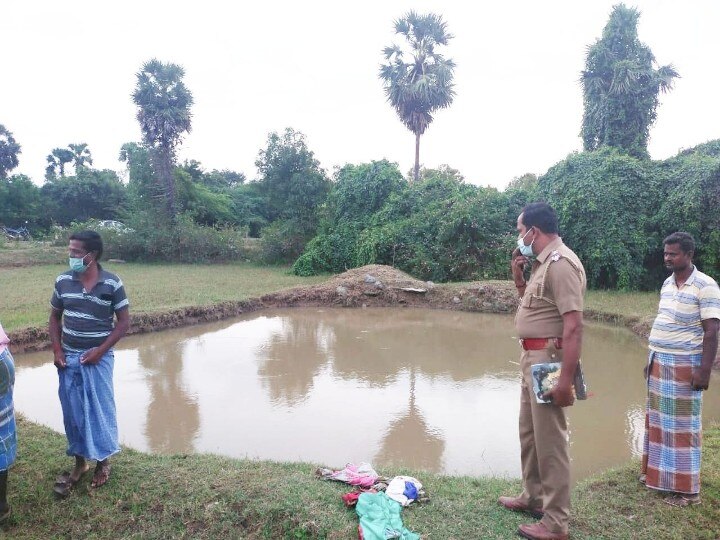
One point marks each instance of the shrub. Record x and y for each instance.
(605, 201)
(690, 202)
(439, 228)
(283, 241)
(185, 241)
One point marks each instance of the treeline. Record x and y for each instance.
(213, 212)
(614, 211)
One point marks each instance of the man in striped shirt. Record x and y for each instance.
(683, 343)
(85, 302)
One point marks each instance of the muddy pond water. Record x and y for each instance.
(427, 389)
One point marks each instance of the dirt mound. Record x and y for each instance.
(382, 286)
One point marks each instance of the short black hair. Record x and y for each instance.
(540, 215)
(683, 239)
(92, 241)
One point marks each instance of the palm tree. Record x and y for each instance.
(164, 104)
(9, 150)
(57, 160)
(621, 87)
(81, 155)
(422, 84)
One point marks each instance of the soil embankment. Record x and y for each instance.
(367, 286)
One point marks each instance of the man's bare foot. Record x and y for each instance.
(81, 467)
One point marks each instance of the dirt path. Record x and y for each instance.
(367, 286)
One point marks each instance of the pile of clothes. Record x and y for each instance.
(378, 502)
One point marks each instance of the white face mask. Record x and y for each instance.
(525, 250)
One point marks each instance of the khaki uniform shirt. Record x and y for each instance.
(556, 286)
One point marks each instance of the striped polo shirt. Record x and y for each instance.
(678, 326)
(87, 315)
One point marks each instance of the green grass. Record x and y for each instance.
(640, 305)
(26, 291)
(205, 496)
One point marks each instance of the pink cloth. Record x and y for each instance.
(4, 340)
(362, 475)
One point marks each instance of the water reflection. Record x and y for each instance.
(292, 357)
(410, 441)
(424, 389)
(173, 419)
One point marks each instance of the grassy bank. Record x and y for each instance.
(204, 496)
(158, 288)
(151, 288)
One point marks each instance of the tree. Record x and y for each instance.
(144, 194)
(418, 82)
(223, 179)
(361, 190)
(81, 155)
(621, 87)
(291, 178)
(57, 159)
(21, 203)
(163, 103)
(89, 194)
(9, 150)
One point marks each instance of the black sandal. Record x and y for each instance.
(64, 485)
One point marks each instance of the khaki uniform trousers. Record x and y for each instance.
(544, 449)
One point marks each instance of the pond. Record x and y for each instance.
(426, 389)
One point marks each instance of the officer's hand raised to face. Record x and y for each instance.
(517, 266)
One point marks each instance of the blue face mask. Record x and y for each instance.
(525, 250)
(77, 264)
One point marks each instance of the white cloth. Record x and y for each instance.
(396, 489)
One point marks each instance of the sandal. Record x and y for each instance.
(101, 476)
(64, 483)
(682, 501)
(642, 479)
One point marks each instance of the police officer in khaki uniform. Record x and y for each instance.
(549, 323)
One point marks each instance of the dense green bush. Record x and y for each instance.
(91, 193)
(148, 240)
(438, 228)
(462, 235)
(21, 203)
(332, 251)
(605, 202)
(691, 202)
(616, 210)
(282, 242)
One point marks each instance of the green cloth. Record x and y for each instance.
(380, 518)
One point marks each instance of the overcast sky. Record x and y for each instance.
(68, 72)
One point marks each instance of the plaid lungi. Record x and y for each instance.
(673, 427)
